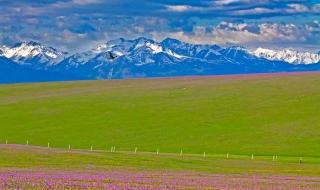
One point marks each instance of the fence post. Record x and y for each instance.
(158, 151)
(135, 150)
(227, 155)
(69, 147)
(48, 145)
(91, 148)
(204, 154)
(251, 156)
(27, 142)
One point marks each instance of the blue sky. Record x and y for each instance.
(76, 25)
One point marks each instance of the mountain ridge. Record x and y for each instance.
(288, 55)
(143, 57)
(32, 52)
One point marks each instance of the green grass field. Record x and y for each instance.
(31, 157)
(241, 115)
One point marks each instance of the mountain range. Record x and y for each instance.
(142, 57)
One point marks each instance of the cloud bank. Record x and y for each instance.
(75, 25)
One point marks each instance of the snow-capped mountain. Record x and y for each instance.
(195, 51)
(145, 51)
(144, 57)
(102, 61)
(288, 55)
(120, 47)
(32, 53)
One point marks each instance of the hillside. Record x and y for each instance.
(259, 114)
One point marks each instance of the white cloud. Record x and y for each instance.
(86, 2)
(179, 8)
(297, 8)
(266, 32)
(251, 34)
(227, 2)
(316, 8)
(291, 8)
(254, 11)
(70, 4)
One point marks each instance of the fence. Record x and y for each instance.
(180, 153)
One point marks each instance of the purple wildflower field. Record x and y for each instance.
(56, 180)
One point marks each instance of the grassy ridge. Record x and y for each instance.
(263, 115)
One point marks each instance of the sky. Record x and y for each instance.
(78, 25)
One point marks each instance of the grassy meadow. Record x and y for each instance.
(241, 115)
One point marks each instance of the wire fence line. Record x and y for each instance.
(181, 153)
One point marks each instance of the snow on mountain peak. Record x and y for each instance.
(30, 49)
(155, 48)
(287, 55)
(27, 51)
(102, 47)
(123, 47)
